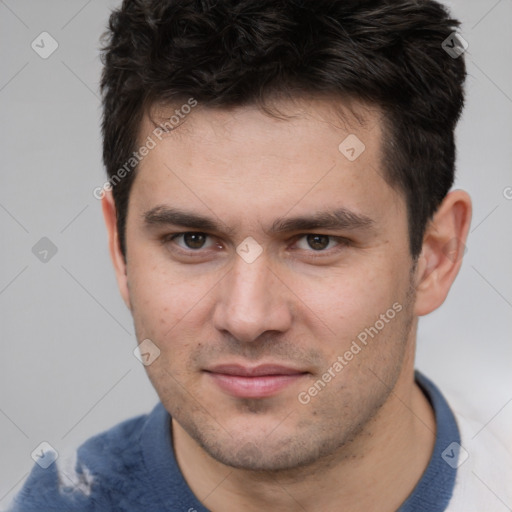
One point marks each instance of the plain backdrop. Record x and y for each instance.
(67, 368)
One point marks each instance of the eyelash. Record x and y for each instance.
(341, 241)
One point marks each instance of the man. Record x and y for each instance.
(280, 216)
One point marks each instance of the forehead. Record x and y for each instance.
(181, 120)
(305, 154)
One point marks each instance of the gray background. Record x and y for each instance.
(67, 370)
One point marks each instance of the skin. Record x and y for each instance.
(295, 305)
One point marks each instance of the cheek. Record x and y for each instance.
(351, 297)
(361, 317)
(164, 307)
(173, 310)
(160, 291)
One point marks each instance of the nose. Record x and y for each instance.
(252, 300)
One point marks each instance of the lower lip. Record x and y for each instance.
(253, 387)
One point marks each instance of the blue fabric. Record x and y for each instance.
(134, 470)
(435, 488)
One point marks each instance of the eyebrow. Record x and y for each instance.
(338, 219)
(341, 219)
(166, 215)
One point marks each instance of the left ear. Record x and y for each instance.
(442, 252)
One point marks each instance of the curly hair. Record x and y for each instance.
(229, 53)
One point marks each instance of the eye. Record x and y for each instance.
(319, 243)
(192, 240)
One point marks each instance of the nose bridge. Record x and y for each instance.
(251, 301)
(248, 282)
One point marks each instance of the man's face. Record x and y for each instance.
(249, 341)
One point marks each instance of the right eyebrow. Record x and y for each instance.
(165, 215)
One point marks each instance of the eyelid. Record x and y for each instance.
(341, 242)
(173, 236)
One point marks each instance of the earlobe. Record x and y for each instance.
(444, 245)
(118, 260)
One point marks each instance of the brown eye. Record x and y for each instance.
(318, 242)
(194, 240)
(321, 244)
(191, 240)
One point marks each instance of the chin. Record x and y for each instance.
(259, 454)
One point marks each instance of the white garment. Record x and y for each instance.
(484, 479)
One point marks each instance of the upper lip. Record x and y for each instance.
(254, 371)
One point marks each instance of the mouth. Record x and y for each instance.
(253, 382)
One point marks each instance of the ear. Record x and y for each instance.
(110, 216)
(442, 252)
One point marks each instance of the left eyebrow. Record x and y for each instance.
(339, 219)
